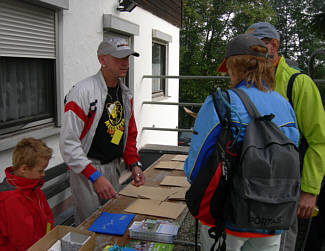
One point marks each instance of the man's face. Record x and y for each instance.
(117, 67)
(272, 45)
(267, 42)
(37, 172)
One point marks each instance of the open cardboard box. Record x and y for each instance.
(57, 233)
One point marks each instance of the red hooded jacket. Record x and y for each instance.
(24, 212)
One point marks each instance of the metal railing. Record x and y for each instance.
(317, 81)
(188, 77)
(153, 128)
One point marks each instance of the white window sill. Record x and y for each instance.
(39, 132)
(159, 96)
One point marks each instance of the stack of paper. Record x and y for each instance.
(179, 157)
(118, 248)
(156, 208)
(171, 165)
(150, 246)
(178, 181)
(154, 193)
(154, 230)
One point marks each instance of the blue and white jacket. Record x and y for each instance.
(207, 125)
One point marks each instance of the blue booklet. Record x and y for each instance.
(114, 224)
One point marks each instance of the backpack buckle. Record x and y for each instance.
(268, 117)
(224, 170)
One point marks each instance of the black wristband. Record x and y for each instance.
(138, 163)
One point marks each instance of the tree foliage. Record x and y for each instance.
(209, 24)
(293, 23)
(318, 19)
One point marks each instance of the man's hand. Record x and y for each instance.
(306, 205)
(138, 176)
(104, 188)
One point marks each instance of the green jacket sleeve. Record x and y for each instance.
(310, 115)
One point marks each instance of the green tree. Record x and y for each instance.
(207, 27)
(302, 33)
(318, 19)
(209, 24)
(293, 22)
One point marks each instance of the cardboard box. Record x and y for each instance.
(73, 241)
(57, 233)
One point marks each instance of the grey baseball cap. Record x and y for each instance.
(241, 45)
(117, 47)
(263, 30)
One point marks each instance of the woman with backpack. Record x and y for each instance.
(250, 72)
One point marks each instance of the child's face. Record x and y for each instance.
(37, 172)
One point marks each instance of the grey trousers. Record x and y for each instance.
(205, 239)
(288, 238)
(84, 197)
(270, 243)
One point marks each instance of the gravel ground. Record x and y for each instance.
(186, 235)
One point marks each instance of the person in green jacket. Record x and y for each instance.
(309, 110)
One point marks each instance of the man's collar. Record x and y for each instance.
(277, 62)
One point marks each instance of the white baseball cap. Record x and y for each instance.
(117, 47)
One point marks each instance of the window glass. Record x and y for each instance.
(28, 74)
(158, 67)
(26, 90)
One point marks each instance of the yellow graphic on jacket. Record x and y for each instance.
(115, 122)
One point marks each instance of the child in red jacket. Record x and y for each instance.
(25, 215)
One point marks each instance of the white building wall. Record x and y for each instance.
(165, 116)
(82, 32)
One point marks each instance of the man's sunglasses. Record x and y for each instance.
(266, 40)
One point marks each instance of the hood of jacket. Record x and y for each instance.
(21, 182)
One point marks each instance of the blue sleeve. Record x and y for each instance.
(206, 130)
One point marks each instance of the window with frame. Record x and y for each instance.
(159, 62)
(27, 66)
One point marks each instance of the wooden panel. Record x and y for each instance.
(59, 185)
(153, 178)
(55, 171)
(56, 188)
(169, 10)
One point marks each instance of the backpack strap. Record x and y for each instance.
(196, 234)
(219, 235)
(219, 107)
(290, 85)
(250, 107)
(303, 145)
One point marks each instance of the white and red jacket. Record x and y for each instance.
(25, 215)
(84, 105)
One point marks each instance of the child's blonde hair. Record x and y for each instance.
(29, 152)
(252, 68)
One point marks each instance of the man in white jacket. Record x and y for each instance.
(99, 130)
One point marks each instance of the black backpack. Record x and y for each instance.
(266, 183)
(207, 197)
(303, 144)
